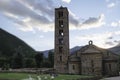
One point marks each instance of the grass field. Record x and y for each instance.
(26, 76)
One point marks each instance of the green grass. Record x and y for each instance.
(16, 76)
(71, 77)
(20, 76)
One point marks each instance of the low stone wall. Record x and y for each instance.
(28, 70)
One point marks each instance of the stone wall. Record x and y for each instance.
(91, 63)
(110, 68)
(74, 68)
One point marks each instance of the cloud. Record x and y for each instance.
(115, 33)
(29, 15)
(110, 37)
(93, 22)
(111, 5)
(110, 43)
(96, 36)
(116, 24)
(17, 8)
(41, 36)
(101, 38)
(104, 40)
(117, 41)
(67, 1)
(73, 18)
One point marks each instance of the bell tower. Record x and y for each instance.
(61, 39)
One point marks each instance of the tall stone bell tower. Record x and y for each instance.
(61, 39)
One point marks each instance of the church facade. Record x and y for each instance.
(88, 60)
(92, 60)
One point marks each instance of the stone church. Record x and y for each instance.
(88, 60)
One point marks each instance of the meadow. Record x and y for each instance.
(28, 76)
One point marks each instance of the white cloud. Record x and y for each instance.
(116, 33)
(95, 37)
(74, 20)
(41, 36)
(67, 1)
(29, 14)
(102, 39)
(111, 5)
(30, 24)
(91, 22)
(110, 43)
(39, 14)
(116, 24)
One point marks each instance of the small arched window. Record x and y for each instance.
(73, 66)
(60, 14)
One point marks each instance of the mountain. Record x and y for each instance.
(47, 52)
(10, 44)
(116, 49)
(72, 50)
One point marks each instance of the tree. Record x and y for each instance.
(46, 63)
(4, 63)
(119, 63)
(17, 61)
(51, 58)
(39, 60)
(29, 63)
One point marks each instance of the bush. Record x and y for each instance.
(5, 67)
(29, 63)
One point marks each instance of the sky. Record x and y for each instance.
(33, 21)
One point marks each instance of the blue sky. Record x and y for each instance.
(33, 21)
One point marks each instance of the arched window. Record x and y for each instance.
(60, 14)
(60, 49)
(61, 32)
(60, 58)
(61, 23)
(92, 65)
(61, 41)
(73, 67)
(110, 67)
